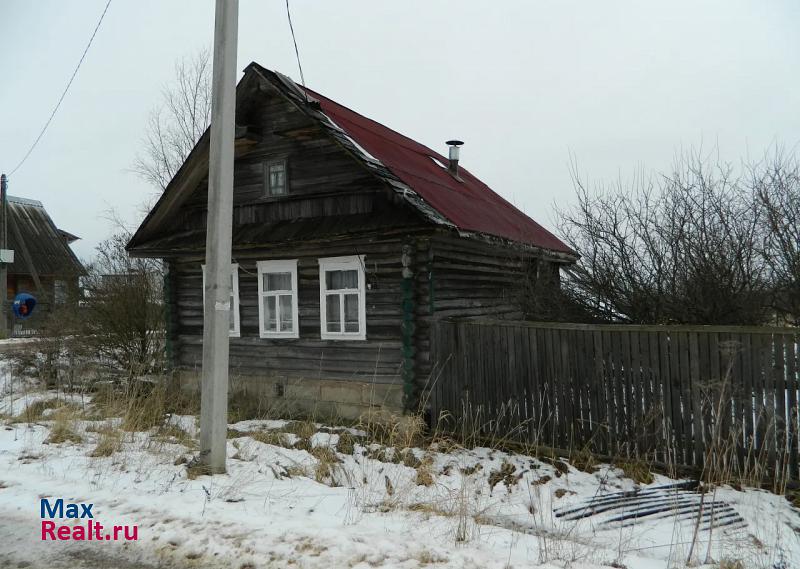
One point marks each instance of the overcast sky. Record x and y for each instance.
(617, 85)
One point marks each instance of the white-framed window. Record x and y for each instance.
(275, 178)
(342, 298)
(233, 326)
(277, 299)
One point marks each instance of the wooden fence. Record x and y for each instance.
(29, 327)
(670, 393)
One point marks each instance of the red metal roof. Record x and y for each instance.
(469, 204)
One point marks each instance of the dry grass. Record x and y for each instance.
(584, 460)
(425, 476)
(392, 430)
(327, 462)
(143, 404)
(379, 453)
(731, 564)
(146, 409)
(195, 469)
(507, 474)
(410, 459)
(303, 429)
(109, 443)
(236, 433)
(37, 410)
(346, 443)
(270, 437)
(62, 431)
(296, 470)
(172, 433)
(636, 470)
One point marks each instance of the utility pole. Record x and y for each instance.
(4, 328)
(217, 302)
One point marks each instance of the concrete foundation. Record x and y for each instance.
(286, 398)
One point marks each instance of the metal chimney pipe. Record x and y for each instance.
(455, 151)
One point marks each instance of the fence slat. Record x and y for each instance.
(618, 383)
(598, 382)
(663, 392)
(793, 425)
(666, 393)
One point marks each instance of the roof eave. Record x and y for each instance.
(534, 250)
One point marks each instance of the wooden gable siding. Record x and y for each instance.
(378, 358)
(323, 179)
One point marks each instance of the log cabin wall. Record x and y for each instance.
(375, 362)
(465, 277)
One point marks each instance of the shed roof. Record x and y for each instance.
(36, 240)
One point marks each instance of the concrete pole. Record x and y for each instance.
(214, 394)
(4, 316)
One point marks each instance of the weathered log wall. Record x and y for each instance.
(377, 359)
(465, 277)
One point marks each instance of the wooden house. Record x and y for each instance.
(348, 240)
(44, 264)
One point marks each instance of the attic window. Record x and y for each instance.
(275, 178)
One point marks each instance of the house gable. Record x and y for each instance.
(327, 186)
(343, 165)
(40, 247)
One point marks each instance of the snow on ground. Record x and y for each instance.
(454, 507)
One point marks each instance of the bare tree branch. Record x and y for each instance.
(175, 126)
(676, 248)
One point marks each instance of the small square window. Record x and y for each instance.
(275, 178)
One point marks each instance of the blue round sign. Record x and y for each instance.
(23, 305)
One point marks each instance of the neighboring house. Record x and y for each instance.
(348, 240)
(44, 264)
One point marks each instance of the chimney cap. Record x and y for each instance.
(454, 142)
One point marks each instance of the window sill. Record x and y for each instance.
(279, 336)
(342, 336)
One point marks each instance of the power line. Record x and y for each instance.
(64, 94)
(296, 51)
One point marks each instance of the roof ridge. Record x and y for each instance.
(430, 151)
(24, 201)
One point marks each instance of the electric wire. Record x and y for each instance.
(296, 51)
(64, 94)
